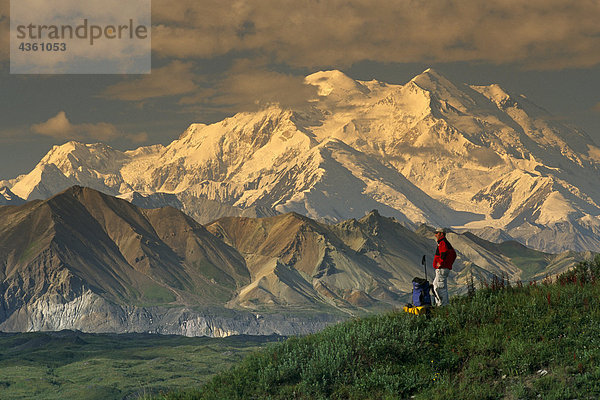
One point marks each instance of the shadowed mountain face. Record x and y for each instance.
(85, 260)
(9, 198)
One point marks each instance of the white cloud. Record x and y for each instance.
(60, 127)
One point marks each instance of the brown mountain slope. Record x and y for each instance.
(84, 260)
(293, 259)
(361, 264)
(81, 239)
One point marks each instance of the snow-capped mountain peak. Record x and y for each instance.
(337, 83)
(431, 150)
(431, 80)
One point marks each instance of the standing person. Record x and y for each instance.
(442, 262)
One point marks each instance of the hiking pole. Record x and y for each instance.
(424, 266)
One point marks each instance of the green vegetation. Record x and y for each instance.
(505, 342)
(74, 365)
(531, 262)
(156, 294)
(31, 250)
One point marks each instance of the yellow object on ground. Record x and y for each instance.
(416, 310)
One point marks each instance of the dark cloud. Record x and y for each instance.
(176, 78)
(14, 135)
(247, 87)
(538, 34)
(4, 31)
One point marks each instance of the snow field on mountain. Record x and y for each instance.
(429, 151)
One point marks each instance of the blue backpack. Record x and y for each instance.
(420, 294)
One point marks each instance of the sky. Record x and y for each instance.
(212, 59)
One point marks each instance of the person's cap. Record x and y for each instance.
(440, 230)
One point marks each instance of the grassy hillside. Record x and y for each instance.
(537, 340)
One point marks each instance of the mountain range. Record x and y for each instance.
(89, 261)
(432, 151)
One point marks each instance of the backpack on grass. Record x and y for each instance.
(421, 295)
(421, 292)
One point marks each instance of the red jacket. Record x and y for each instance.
(444, 255)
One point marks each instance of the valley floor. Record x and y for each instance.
(75, 365)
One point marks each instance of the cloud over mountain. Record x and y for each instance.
(60, 127)
(538, 34)
(176, 78)
(249, 87)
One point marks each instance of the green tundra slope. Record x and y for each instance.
(524, 342)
